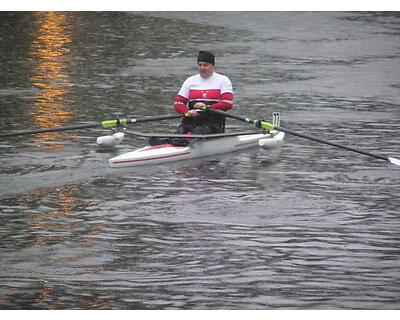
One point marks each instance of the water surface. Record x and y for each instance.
(305, 227)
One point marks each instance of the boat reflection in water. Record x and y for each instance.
(48, 53)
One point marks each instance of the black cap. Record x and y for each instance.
(206, 56)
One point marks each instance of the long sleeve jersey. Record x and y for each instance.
(215, 91)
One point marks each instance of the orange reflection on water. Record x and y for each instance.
(53, 225)
(49, 75)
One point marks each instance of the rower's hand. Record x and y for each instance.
(192, 113)
(200, 106)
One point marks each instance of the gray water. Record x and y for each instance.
(305, 227)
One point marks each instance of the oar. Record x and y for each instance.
(269, 126)
(103, 124)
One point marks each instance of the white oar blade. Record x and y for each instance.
(394, 161)
(111, 140)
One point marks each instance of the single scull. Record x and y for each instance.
(270, 135)
(202, 146)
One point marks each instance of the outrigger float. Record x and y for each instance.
(269, 135)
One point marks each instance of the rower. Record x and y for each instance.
(207, 89)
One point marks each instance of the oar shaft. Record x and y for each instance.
(270, 126)
(156, 118)
(333, 144)
(104, 124)
(123, 121)
(26, 132)
(230, 115)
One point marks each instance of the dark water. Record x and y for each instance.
(309, 227)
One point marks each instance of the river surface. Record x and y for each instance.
(308, 226)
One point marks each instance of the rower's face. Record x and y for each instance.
(205, 69)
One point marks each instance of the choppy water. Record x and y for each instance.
(309, 227)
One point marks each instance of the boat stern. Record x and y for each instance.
(150, 155)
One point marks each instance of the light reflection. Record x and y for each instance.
(52, 226)
(48, 53)
(59, 225)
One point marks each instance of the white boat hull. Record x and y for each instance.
(200, 148)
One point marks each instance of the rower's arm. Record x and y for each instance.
(180, 104)
(226, 102)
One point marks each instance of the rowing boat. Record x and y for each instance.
(200, 147)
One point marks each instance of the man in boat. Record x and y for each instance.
(207, 89)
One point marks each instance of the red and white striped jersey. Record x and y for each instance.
(216, 91)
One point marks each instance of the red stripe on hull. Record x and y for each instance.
(158, 147)
(154, 158)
